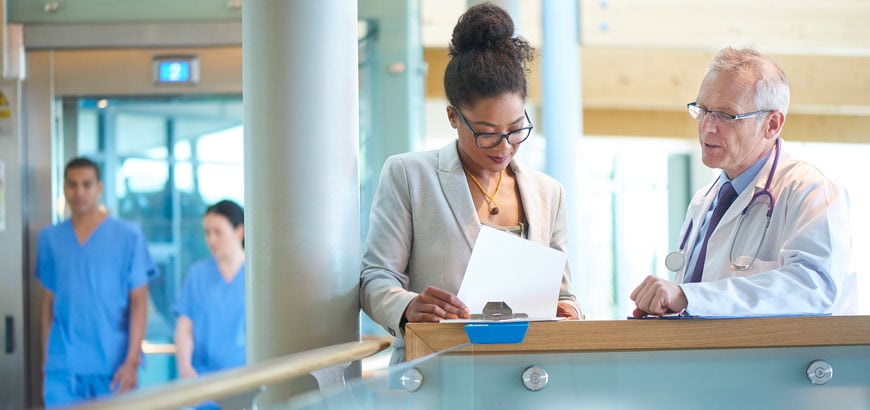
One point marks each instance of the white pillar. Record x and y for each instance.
(563, 114)
(300, 93)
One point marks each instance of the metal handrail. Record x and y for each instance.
(232, 382)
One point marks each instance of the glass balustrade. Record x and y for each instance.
(811, 377)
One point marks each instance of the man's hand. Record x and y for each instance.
(657, 296)
(433, 305)
(567, 310)
(126, 378)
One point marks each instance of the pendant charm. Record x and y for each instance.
(490, 199)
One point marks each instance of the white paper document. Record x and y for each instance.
(506, 268)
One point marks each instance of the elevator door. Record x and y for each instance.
(163, 161)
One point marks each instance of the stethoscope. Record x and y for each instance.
(675, 260)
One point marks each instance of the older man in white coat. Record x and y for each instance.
(730, 261)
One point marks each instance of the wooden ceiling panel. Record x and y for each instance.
(776, 26)
(667, 79)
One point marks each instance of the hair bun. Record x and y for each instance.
(481, 27)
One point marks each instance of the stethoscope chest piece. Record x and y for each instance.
(675, 261)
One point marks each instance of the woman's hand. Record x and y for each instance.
(186, 372)
(568, 310)
(433, 305)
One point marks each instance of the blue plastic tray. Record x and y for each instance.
(496, 333)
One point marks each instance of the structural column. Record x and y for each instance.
(300, 92)
(562, 109)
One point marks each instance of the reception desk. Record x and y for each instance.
(765, 363)
(652, 334)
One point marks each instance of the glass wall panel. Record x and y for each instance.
(142, 133)
(769, 378)
(87, 132)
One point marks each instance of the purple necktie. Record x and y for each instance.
(726, 197)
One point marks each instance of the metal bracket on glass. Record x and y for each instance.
(331, 376)
(535, 378)
(412, 379)
(497, 311)
(252, 398)
(820, 372)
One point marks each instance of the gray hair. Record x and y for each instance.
(771, 84)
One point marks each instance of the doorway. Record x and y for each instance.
(164, 160)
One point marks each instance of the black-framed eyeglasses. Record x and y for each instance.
(699, 113)
(486, 140)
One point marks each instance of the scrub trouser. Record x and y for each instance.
(65, 389)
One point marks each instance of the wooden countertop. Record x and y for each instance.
(626, 335)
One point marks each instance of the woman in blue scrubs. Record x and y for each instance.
(210, 330)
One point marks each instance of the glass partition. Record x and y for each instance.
(769, 378)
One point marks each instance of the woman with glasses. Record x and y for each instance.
(430, 206)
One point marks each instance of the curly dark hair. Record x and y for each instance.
(486, 60)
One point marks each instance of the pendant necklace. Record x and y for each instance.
(490, 199)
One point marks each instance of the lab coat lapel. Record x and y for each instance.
(743, 199)
(697, 211)
(456, 192)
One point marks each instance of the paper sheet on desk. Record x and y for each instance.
(521, 319)
(506, 268)
(683, 316)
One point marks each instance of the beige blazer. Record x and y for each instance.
(423, 225)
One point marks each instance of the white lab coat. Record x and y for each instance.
(803, 264)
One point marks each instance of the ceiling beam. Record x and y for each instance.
(674, 124)
(111, 72)
(643, 92)
(123, 11)
(126, 35)
(667, 79)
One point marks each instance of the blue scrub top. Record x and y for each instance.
(217, 310)
(91, 285)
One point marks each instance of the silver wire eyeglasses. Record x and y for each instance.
(486, 140)
(697, 112)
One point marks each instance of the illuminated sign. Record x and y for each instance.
(182, 70)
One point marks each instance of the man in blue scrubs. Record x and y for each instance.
(95, 271)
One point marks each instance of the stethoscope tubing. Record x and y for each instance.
(674, 265)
